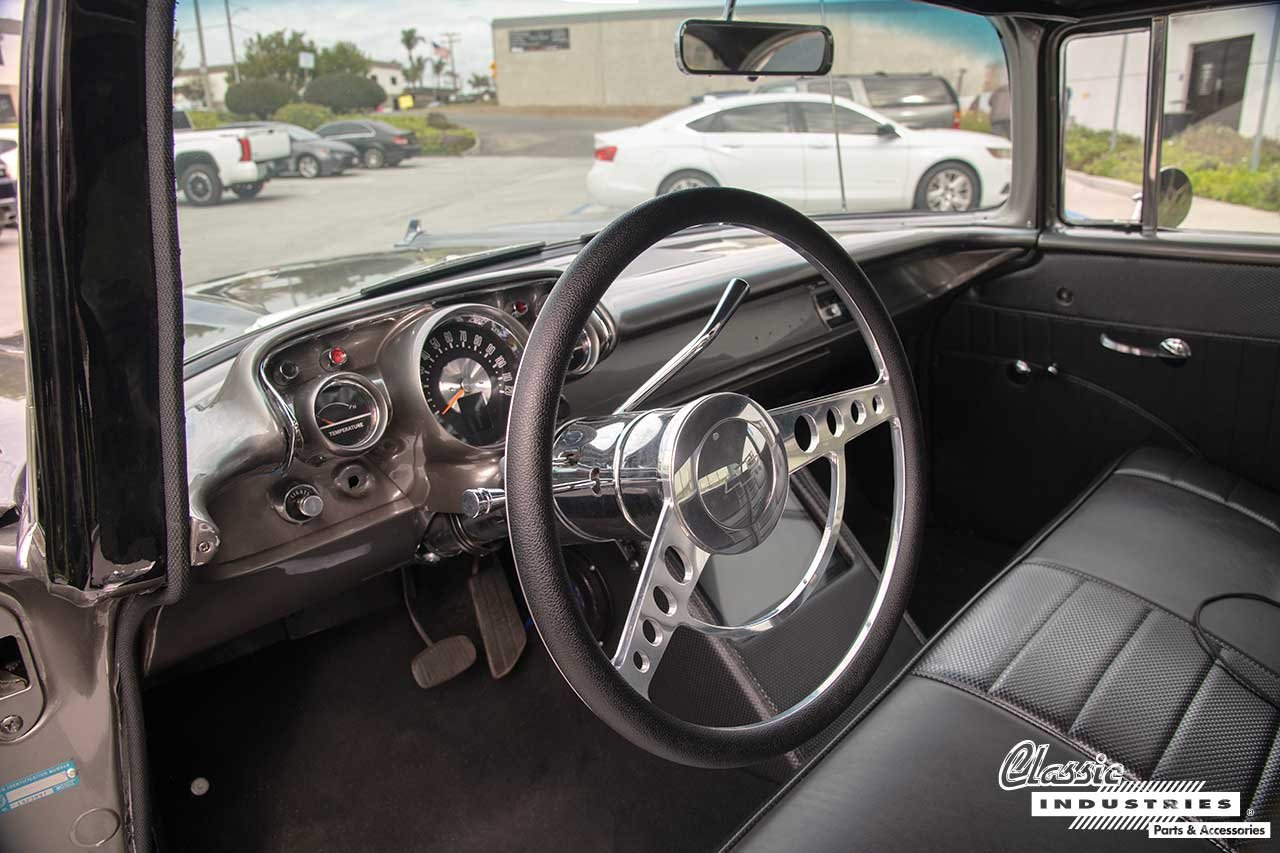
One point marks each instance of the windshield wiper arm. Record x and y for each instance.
(465, 263)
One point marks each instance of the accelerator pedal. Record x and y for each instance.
(438, 662)
(501, 627)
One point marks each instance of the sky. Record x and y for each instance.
(375, 25)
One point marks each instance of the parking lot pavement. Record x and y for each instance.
(368, 211)
(506, 133)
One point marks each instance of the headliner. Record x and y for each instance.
(1077, 9)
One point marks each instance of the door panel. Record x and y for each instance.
(1015, 446)
(754, 147)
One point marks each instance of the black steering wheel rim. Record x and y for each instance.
(532, 517)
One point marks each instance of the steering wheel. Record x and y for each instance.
(707, 477)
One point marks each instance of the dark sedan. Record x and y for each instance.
(379, 143)
(311, 155)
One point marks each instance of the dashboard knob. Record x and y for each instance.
(302, 502)
(311, 506)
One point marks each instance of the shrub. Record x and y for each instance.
(344, 92)
(439, 121)
(258, 98)
(208, 119)
(976, 120)
(303, 114)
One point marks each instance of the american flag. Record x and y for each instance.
(440, 50)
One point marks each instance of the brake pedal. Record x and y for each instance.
(501, 627)
(438, 662)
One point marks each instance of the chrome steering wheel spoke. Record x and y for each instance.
(822, 426)
(660, 604)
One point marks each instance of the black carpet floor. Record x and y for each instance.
(326, 744)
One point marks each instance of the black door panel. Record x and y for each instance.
(1014, 445)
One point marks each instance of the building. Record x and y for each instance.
(625, 57)
(390, 76)
(1216, 71)
(10, 52)
(188, 84)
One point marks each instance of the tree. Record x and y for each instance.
(437, 68)
(344, 93)
(343, 58)
(274, 56)
(410, 39)
(416, 69)
(480, 82)
(259, 98)
(179, 55)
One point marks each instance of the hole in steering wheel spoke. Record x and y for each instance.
(675, 565)
(664, 601)
(641, 661)
(806, 433)
(651, 632)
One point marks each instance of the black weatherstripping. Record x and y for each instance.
(90, 294)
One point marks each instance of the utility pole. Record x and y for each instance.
(231, 36)
(450, 39)
(204, 63)
(1115, 115)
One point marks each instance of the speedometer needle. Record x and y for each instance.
(455, 398)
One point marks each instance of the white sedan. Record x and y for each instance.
(782, 145)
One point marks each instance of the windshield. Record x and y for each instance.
(488, 123)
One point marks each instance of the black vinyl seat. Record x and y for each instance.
(1086, 644)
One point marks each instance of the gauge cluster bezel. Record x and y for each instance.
(485, 315)
(304, 402)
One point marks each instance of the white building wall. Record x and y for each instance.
(1093, 70)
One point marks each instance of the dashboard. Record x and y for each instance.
(339, 444)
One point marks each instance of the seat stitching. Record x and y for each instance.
(1078, 743)
(1204, 493)
(1049, 564)
(1133, 632)
(1045, 621)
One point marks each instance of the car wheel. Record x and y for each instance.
(948, 188)
(248, 190)
(374, 158)
(308, 166)
(201, 185)
(687, 179)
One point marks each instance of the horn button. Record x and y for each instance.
(729, 476)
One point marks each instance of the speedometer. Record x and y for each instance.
(468, 372)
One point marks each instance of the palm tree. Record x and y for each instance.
(480, 82)
(414, 70)
(437, 68)
(410, 39)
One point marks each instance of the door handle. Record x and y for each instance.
(731, 145)
(821, 146)
(1170, 349)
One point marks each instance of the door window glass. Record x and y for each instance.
(761, 118)
(1221, 123)
(817, 119)
(1104, 98)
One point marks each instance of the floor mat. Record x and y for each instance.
(326, 744)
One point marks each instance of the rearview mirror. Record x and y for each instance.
(753, 49)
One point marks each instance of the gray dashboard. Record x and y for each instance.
(251, 437)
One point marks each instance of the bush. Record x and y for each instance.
(976, 120)
(344, 92)
(1216, 159)
(439, 121)
(208, 119)
(305, 115)
(258, 98)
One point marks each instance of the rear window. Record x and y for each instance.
(386, 128)
(761, 118)
(907, 91)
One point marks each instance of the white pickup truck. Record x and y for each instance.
(206, 162)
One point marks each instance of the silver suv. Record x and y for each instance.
(916, 100)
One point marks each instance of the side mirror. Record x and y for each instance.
(753, 49)
(887, 131)
(1173, 197)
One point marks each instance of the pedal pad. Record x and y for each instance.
(443, 660)
(500, 625)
